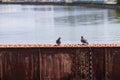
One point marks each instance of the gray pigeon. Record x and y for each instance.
(83, 40)
(58, 41)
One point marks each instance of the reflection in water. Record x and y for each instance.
(82, 19)
(44, 24)
(114, 16)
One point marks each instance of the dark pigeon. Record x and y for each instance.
(83, 40)
(58, 41)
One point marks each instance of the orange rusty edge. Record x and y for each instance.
(56, 46)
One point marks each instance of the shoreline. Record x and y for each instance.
(95, 5)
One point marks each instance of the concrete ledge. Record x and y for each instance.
(56, 46)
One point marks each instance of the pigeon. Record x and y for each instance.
(58, 42)
(83, 40)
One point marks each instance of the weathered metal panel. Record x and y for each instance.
(60, 63)
(98, 63)
(19, 64)
(56, 64)
(113, 64)
(44, 64)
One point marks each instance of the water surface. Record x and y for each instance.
(28, 24)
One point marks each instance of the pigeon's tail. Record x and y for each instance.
(87, 43)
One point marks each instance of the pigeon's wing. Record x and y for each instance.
(86, 41)
(83, 40)
(57, 41)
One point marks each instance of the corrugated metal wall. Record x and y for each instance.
(59, 63)
(19, 64)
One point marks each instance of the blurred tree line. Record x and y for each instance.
(118, 1)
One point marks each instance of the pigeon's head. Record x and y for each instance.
(81, 36)
(59, 38)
